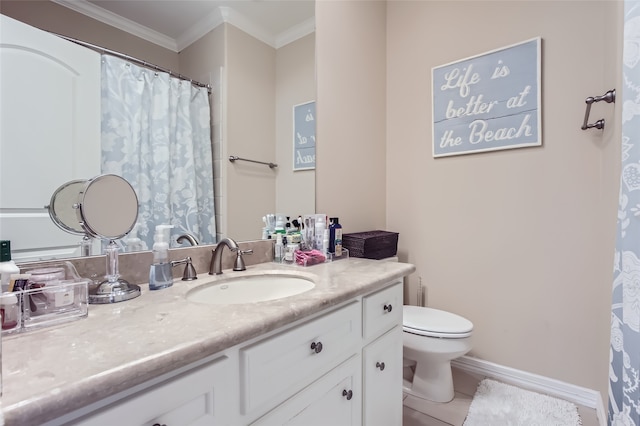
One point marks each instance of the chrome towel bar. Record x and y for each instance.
(234, 158)
(608, 97)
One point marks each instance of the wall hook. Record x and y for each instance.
(608, 97)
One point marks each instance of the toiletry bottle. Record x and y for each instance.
(320, 226)
(279, 249)
(325, 243)
(160, 274)
(7, 266)
(335, 237)
(132, 242)
(332, 234)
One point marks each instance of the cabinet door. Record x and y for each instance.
(335, 399)
(382, 370)
(197, 398)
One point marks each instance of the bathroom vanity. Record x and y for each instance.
(330, 355)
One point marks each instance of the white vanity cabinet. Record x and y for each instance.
(274, 369)
(334, 399)
(339, 367)
(382, 380)
(196, 398)
(382, 357)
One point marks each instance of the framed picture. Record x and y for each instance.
(488, 102)
(304, 136)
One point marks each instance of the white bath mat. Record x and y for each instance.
(498, 404)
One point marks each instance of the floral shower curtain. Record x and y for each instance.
(624, 370)
(156, 134)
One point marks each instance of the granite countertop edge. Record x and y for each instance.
(160, 332)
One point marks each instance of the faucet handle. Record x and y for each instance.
(239, 263)
(189, 273)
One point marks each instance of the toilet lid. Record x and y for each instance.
(435, 323)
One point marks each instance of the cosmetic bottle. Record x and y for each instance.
(9, 311)
(132, 242)
(7, 266)
(335, 237)
(320, 226)
(160, 274)
(279, 249)
(325, 243)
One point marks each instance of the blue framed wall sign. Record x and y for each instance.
(304, 136)
(488, 102)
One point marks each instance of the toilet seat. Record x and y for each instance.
(435, 323)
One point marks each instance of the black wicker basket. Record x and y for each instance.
(371, 244)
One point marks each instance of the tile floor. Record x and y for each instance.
(420, 413)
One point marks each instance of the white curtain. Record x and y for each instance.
(624, 370)
(156, 133)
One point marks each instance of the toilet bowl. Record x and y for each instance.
(432, 339)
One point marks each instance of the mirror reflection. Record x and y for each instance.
(255, 86)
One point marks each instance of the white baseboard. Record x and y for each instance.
(578, 395)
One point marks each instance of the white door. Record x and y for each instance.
(49, 133)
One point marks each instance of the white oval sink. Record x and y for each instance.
(253, 288)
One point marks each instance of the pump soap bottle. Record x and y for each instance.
(160, 274)
(7, 266)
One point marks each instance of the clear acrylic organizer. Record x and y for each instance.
(314, 260)
(51, 295)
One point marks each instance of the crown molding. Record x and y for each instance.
(110, 18)
(295, 32)
(201, 28)
(197, 31)
(241, 22)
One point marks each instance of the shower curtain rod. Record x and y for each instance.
(135, 60)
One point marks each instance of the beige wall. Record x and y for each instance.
(204, 61)
(518, 241)
(50, 16)
(351, 111)
(295, 84)
(250, 117)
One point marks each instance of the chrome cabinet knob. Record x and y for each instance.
(380, 365)
(348, 394)
(388, 307)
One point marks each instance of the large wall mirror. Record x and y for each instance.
(258, 74)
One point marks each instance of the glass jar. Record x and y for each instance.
(9, 311)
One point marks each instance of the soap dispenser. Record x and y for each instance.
(160, 274)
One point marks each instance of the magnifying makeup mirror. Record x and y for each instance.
(63, 214)
(107, 208)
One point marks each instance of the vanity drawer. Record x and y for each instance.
(276, 368)
(382, 311)
(195, 398)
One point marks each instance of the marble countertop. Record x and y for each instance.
(50, 372)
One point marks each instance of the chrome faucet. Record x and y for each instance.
(215, 267)
(192, 240)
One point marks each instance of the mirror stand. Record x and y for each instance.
(85, 246)
(113, 289)
(107, 208)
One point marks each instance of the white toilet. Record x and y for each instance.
(431, 339)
